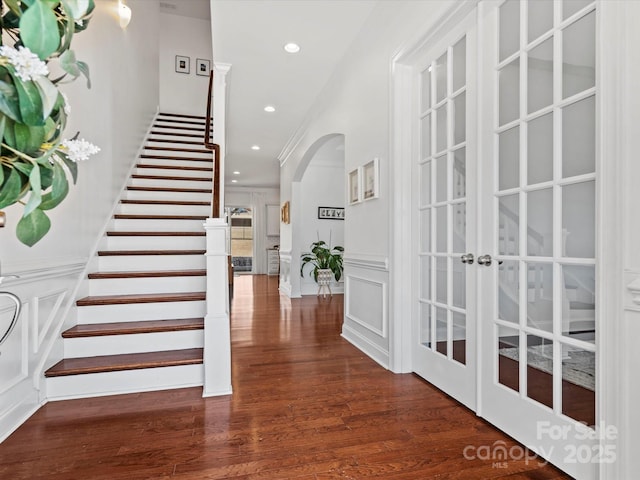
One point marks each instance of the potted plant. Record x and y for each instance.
(326, 261)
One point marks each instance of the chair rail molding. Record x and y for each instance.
(369, 262)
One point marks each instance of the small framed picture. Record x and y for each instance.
(203, 67)
(354, 186)
(331, 213)
(182, 64)
(370, 180)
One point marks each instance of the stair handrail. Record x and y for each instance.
(208, 143)
(16, 314)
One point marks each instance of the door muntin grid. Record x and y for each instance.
(544, 203)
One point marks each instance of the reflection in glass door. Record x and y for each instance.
(541, 336)
(444, 323)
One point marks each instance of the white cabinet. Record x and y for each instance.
(273, 261)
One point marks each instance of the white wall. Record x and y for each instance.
(258, 199)
(321, 186)
(188, 37)
(114, 114)
(355, 103)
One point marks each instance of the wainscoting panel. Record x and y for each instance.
(35, 343)
(366, 320)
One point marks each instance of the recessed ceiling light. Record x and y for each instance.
(292, 48)
(255, 147)
(270, 108)
(234, 181)
(236, 173)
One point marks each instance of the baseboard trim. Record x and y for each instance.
(370, 349)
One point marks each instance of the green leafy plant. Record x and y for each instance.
(35, 160)
(321, 257)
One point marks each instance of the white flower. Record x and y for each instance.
(67, 107)
(26, 63)
(79, 150)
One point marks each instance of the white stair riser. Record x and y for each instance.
(122, 286)
(171, 183)
(128, 381)
(163, 209)
(176, 172)
(134, 343)
(178, 155)
(93, 314)
(161, 195)
(157, 225)
(155, 243)
(183, 161)
(128, 263)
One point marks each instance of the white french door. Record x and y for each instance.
(504, 222)
(539, 194)
(444, 311)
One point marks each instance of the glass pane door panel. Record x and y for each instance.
(441, 178)
(441, 280)
(579, 384)
(425, 324)
(460, 119)
(459, 292)
(540, 74)
(441, 330)
(459, 233)
(509, 159)
(460, 64)
(441, 128)
(569, 7)
(509, 291)
(425, 278)
(540, 18)
(425, 91)
(579, 302)
(540, 149)
(508, 357)
(540, 222)
(425, 184)
(509, 102)
(540, 296)
(579, 56)
(509, 225)
(425, 230)
(509, 28)
(441, 78)
(578, 219)
(579, 138)
(459, 179)
(540, 370)
(441, 229)
(425, 137)
(459, 333)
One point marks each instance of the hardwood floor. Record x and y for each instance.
(306, 405)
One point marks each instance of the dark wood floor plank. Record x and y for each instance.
(307, 405)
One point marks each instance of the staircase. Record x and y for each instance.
(141, 327)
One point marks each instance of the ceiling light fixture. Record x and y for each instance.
(236, 173)
(255, 147)
(270, 108)
(124, 12)
(234, 181)
(292, 47)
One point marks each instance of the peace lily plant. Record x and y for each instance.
(36, 161)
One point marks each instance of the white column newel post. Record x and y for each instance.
(217, 330)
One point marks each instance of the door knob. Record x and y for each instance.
(484, 260)
(467, 258)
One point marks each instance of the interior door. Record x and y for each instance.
(538, 378)
(444, 321)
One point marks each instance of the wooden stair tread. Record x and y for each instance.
(121, 216)
(182, 122)
(169, 177)
(181, 115)
(155, 234)
(165, 202)
(177, 149)
(130, 328)
(140, 298)
(177, 157)
(129, 361)
(174, 167)
(169, 189)
(115, 253)
(148, 274)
